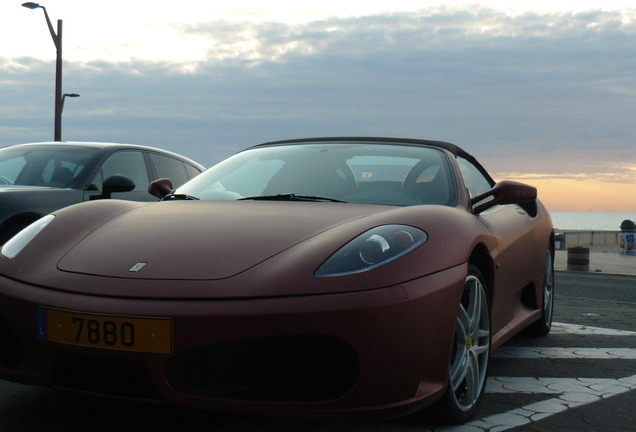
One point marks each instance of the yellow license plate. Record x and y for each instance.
(115, 332)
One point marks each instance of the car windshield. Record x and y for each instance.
(52, 166)
(367, 173)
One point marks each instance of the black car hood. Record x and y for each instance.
(35, 200)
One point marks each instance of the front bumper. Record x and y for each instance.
(379, 353)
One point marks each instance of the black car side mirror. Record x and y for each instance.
(160, 188)
(504, 192)
(115, 183)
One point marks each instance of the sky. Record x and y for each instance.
(539, 92)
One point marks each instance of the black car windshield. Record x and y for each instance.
(368, 173)
(52, 166)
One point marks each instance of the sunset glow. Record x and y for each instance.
(586, 194)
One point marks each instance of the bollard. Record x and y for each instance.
(627, 244)
(579, 258)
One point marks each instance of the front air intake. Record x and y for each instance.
(302, 368)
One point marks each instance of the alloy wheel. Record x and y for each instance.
(472, 337)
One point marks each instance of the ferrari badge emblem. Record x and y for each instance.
(137, 267)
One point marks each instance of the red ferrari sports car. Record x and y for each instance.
(321, 277)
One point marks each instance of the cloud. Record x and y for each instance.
(430, 29)
(509, 89)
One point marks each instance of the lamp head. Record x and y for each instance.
(31, 5)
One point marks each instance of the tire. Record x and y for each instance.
(471, 353)
(544, 324)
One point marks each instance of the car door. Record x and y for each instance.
(129, 163)
(512, 229)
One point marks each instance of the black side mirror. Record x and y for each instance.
(504, 192)
(160, 188)
(115, 183)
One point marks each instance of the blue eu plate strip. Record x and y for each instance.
(42, 324)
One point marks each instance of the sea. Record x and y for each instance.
(591, 220)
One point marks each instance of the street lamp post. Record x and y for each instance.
(57, 40)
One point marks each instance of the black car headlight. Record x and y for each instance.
(374, 248)
(18, 242)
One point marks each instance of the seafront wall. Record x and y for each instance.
(570, 238)
(602, 253)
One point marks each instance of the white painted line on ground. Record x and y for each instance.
(523, 352)
(563, 328)
(546, 385)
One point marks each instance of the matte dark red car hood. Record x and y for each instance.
(209, 240)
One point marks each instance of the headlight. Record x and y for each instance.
(14, 246)
(374, 248)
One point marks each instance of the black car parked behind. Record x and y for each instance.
(38, 178)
